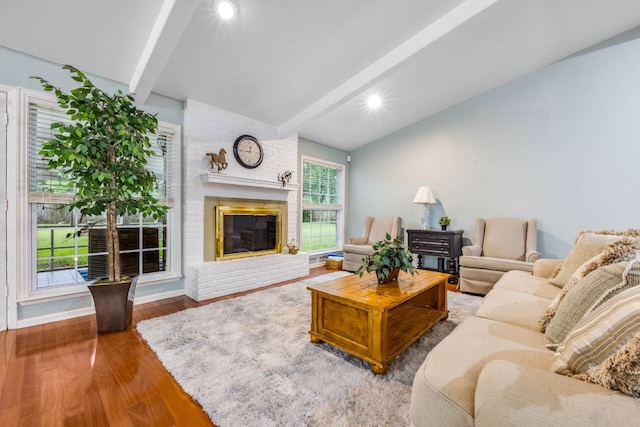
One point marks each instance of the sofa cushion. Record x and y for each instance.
(586, 247)
(594, 289)
(526, 283)
(599, 334)
(358, 249)
(444, 387)
(505, 238)
(499, 264)
(513, 307)
(509, 394)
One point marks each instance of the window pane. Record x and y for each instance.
(61, 247)
(321, 184)
(69, 253)
(319, 230)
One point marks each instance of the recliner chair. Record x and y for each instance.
(375, 229)
(499, 245)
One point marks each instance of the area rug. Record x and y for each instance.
(248, 362)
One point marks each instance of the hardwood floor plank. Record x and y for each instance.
(52, 399)
(64, 374)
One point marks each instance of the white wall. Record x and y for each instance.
(561, 145)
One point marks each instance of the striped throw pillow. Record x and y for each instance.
(599, 334)
(593, 290)
(624, 249)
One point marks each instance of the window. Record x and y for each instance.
(67, 249)
(322, 206)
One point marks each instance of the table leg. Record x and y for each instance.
(379, 369)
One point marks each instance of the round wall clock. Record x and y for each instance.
(248, 151)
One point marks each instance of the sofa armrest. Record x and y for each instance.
(357, 240)
(473, 250)
(510, 394)
(532, 256)
(545, 266)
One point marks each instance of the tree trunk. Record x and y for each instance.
(113, 243)
(113, 238)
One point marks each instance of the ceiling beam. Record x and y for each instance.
(171, 22)
(428, 35)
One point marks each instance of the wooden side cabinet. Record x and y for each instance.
(441, 244)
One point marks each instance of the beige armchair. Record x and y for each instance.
(375, 229)
(499, 245)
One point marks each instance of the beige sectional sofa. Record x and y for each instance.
(495, 368)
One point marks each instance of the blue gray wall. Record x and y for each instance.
(17, 68)
(561, 145)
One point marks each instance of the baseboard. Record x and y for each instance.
(55, 317)
(87, 311)
(157, 297)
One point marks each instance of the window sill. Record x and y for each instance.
(74, 291)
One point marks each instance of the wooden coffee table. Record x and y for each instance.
(377, 322)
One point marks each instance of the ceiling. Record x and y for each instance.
(308, 66)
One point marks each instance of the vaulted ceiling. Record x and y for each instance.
(308, 66)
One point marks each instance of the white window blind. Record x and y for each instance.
(41, 179)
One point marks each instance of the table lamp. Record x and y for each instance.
(424, 196)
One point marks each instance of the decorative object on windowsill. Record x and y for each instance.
(103, 151)
(444, 222)
(293, 247)
(389, 257)
(218, 161)
(424, 196)
(285, 177)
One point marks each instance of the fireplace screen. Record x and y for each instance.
(243, 232)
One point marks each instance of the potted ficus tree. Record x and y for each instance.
(102, 151)
(388, 258)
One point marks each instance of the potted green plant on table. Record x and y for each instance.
(102, 151)
(389, 257)
(444, 222)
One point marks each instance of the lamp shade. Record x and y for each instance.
(424, 196)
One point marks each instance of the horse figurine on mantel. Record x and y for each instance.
(218, 161)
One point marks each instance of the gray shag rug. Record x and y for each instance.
(248, 361)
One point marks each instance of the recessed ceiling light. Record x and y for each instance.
(226, 9)
(374, 101)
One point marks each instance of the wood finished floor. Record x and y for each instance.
(64, 374)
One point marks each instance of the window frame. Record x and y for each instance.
(24, 268)
(339, 208)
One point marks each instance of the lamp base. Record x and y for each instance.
(425, 217)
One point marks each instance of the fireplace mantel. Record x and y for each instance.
(216, 178)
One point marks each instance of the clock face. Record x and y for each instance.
(248, 151)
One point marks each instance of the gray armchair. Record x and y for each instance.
(375, 229)
(499, 245)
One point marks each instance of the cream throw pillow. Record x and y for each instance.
(624, 249)
(594, 289)
(599, 334)
(586, 247)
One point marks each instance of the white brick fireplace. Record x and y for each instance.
(208, 129)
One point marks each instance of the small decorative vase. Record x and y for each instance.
(393, 275)
(444, 227)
